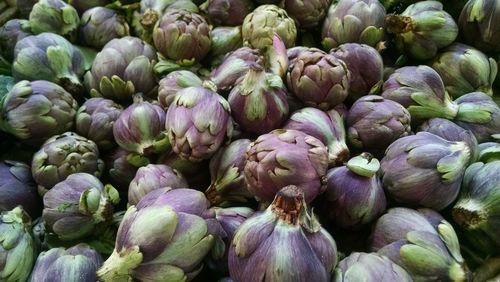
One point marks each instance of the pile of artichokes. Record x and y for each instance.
(249, 140)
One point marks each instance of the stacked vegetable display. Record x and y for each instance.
(249, 140)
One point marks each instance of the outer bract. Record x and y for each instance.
(421, 242)
(152, 177)
(422, 29)
(286, 157)
(228, 182)
(225, 39)
(259, 101)
(365, 65)
(123, 68)
(75, 206)
(369, 267)
(480, 26)
(285, 242)
(48, 56)
(228, 12)
(353, 21)
(10, 33)
(425, 169)
(260, 25)
(319, 79)
(100, 25)
(16, 245)
(173, 83)
(374, 123)
(95, 120)
(63, 155)
(34, 111)
(354, 195)
(198, 122)
(478, 207)
(181, 35)
(76, 264)
(163, 238)
(307, 14)
(328, 127)
(17, 188)
(54, 16)
(465, 69)
(140, 128)
(450, 131)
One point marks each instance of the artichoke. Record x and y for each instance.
(74, 207)
(420, 90)
(100, 25)
(260, 25)
(354, 196)
(48, 56)
(76, 264)
(122, 68)
(285, 157)
(354, 21)
(318, 79)
(285, 242)
(480, 26)
(16, 245)
(83, 5)
(164, 237)
(55, 16)
(369, 267)
(259, 101)
(307, 14)
(198, 122)
(10, 33)
(422, 29)
(182, 35)
(448, 130)
(478, 206)
(228, 12)
(465, 69)
(374, 123)
(328, 127)
(34, 111)
(421, 242)
(228, 182)
(225, 39)
(174, 82)
(140, 128)
(95, 119)
(63, 155)
(152, 177)
(17, 188)
(425, 169)
(365, 65)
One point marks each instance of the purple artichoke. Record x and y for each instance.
(285, 242)
(74, 207)
(286, 157)
(123, 68)
(100, 25)
(54, 16)
(374, 123)
(259, 101)
(152, 177)
(480, 26)
(83, 5)
(365, 65)
(140, 128)
(95, 119)
(181, 35)
(448, 130)
(328, 127)
(226, 169)
(318, 79)
(354, 196)
(10, 33)
(198, 122)
(228, 12)
(173, 83)
(425, 170)
(17, 188)
(307, 14)
(62, 156)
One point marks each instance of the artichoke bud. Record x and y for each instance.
(369, 267)
(478, 25)
(54, 16)
(225, 40)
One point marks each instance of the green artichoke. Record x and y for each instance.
(55, 16)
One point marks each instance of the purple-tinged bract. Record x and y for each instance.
(228, 12)
(54, 16)
(479, 24)
(10, 33)
(100, 25)
(173, 83)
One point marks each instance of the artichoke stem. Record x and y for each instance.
(212, 195)
(119, 265)
(73, 86)
(149, 19)
(398, 24)
(468, 214)
(288, 204)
